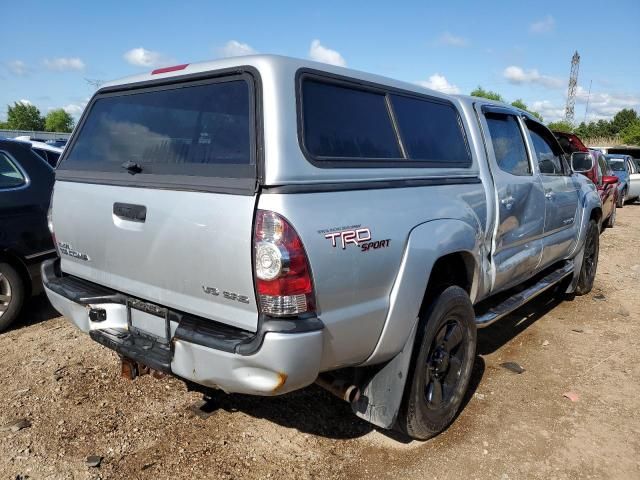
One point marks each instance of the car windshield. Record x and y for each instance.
(617, 165)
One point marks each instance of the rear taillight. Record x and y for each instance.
(283, 277)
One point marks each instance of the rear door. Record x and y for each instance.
(517, 246)
(155, 196)
(560, 192)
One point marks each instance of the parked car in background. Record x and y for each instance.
(60, 142)
(607, 184)
(261, 223)
(626, 170)
(48, 152)
(26, 182)
(570, 142)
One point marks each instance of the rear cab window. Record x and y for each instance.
(190, 134)
(344, 124)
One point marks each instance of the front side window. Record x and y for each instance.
(10, 175)
(343, 122)
(548, 152)
(508, 143)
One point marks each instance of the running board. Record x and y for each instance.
(514, 302)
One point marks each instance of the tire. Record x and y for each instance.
(611, 221)
(11, 295)
(621, 198)
(437, 384)
(590, 260)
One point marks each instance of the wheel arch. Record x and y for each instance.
(438, 254)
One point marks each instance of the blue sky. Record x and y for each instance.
(520, 49)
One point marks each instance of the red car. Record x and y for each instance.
(607, 184)
(601, 175)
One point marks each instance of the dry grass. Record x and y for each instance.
(602, 141)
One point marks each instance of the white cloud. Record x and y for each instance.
(452, 40)
(605, 105)
(26, 102)
(440, 83)
(549, 111)
(75, 109)
(320, 53)
(18, 67)
(520, 76)
(62, 64)
(141, 57)
(234, 48)
(545, 25)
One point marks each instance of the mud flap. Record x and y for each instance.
(381, 395)
(577, 269)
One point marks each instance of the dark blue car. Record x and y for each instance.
(26, 182)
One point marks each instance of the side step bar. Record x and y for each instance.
(496, 312)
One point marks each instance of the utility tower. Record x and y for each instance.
(573, 85)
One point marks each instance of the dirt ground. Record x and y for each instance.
(512, 426)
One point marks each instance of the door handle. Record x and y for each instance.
(508, 202)
(131, 212)
(549, 194)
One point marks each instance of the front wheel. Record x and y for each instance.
(441, 365)
(621, 198)
(589, 260)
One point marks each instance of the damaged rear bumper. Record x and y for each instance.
(284, 355)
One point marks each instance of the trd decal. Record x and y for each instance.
(359, 236)
(346, 237)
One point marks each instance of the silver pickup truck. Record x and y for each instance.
(262, 223)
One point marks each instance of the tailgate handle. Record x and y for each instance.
(129, 211)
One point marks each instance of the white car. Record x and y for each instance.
(49, 153)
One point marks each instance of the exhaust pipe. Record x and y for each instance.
(340, 388)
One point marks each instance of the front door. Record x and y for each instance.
(520, 203)
(560, 192)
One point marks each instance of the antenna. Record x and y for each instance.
(586, 110)
(573, 85)
(94, 82)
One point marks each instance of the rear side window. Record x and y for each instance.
(344, 122)
(189, 129)
(430, 131)
(508, 144)
(10, 175)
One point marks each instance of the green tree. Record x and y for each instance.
(58, 121)
(623, 119)
(24, 116)
(631, 135)
(481, 92)
(561, 126)
(523, 106)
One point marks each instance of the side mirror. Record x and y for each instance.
(609, 180)
(581, 162)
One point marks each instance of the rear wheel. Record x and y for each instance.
(441, 365)
(589, 260)
(11, 295)
(621, 198)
